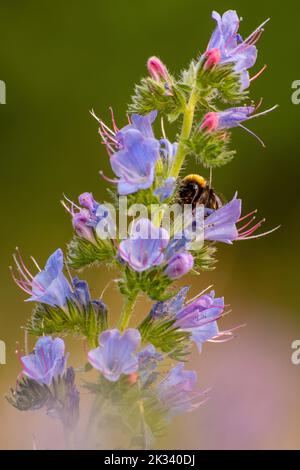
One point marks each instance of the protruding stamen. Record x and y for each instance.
(254, 135)
(35, 263)
(113, 120)
(247, 215)
(260, 234)
(198, 295)
(258, 74)
(106, 178)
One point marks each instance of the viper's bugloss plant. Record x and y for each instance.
(142, 381)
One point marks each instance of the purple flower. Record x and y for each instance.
(81, 224)
(49, 286)
(200, 318)
(87, 201)
(82, 291)
(171, 306)
(140, 123)
(116, 353)
(134, 164)
(232, 117)
(47, 362)
(179, 265)
(166, 190)
(176, 391)
(221, 224)
(145, 247)
(227, 46)
(177, 245)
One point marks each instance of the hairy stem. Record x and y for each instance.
(127, 311)
(188, 118)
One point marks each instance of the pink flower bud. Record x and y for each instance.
(179, 265)
(80, 221)
(210, 122)
(157, 69)
(213, 57)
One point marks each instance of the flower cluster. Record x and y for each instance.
(142, 381)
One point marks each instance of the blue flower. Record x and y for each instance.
(87, 201)
(176, 391)
(166, 190)
(134, 164)
(116, 353)
(145, 247)
(140, 123)
(221, 224)
(232, 117)
(171, 306)
(49, 286)
(227, 46)
(47, 362)
(200, 318)
(179, 265)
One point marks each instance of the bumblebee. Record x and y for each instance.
(194, 189)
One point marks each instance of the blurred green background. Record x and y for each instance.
(60, 59)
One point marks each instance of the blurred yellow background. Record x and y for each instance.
(60, 59)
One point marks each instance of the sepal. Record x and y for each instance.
(152, 282)
(204, 259)
(151, 95)
(82, 253)
(164, 336)
(87, 321)
(60, 399)
(220, 83)
(210, 148)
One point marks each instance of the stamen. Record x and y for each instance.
(163, 128)
(67, 207)
(35, 263)
(22, 268)
(260, 234)
(198, 295)
(71, 202)
(263, 112)
(258, 74)
(259, 28)
(113, 119)
(247, 224)
(106, 178)
(258, 105)
(247, 215)
(252, 229)
(252, 133)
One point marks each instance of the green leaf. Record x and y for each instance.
(220, 83)
(204, 259)
(82, 253)
(162, 333)
(210, 148)
(152, 282)
(73, 320)
(151, 95)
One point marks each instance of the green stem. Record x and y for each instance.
(127, 311)
(188, 118)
